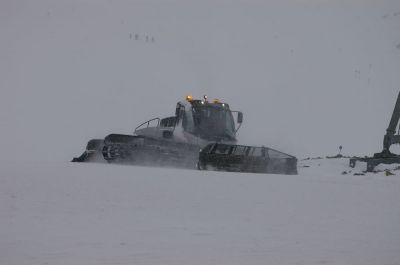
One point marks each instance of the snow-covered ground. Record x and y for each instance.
(91, 214)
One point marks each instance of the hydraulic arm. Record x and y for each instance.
(390, 138)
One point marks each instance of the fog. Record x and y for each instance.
(308, 75)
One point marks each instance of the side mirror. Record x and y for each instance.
(240, 117)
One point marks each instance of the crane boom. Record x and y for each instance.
(390, 138)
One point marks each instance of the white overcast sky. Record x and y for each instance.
(308, 75)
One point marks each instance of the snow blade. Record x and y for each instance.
(240, 158)
(92, 152)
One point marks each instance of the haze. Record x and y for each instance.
(308, 75)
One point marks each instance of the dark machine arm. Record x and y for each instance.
(384, 157)
(390, 137)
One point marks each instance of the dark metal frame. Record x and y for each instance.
(384, 157)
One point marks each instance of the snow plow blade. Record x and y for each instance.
(93, 151)
(240, 158)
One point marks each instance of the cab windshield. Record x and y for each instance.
(214, 122)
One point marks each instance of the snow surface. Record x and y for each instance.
(91, 214)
